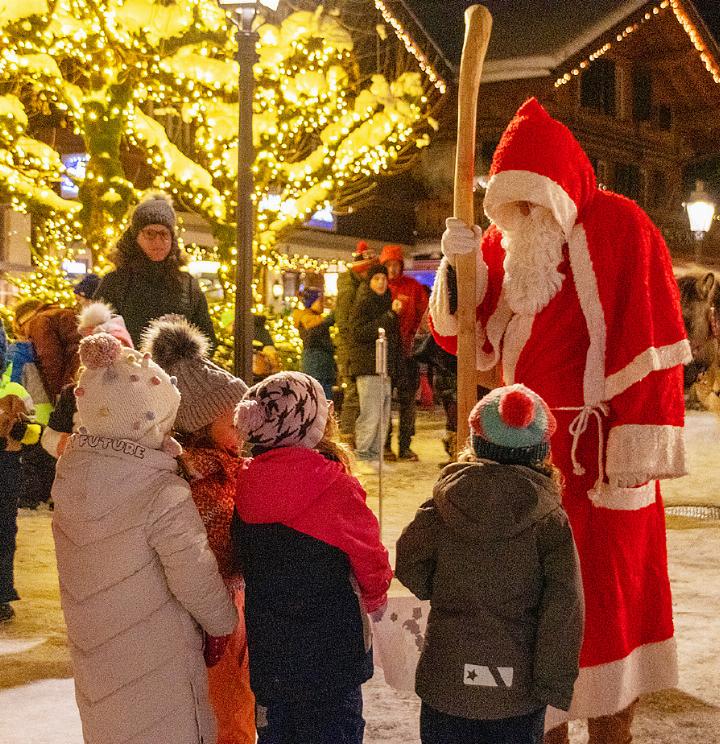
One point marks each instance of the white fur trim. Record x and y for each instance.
(650, 360)
(609, 688)
(589, 297)
(616, 498)
(516, 336)
(494, 332)
(445, 323)
(637, 453)
(518, 185)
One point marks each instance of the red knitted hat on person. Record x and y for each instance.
(392, 253)
(363, 257)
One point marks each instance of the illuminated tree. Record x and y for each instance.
(150, 87)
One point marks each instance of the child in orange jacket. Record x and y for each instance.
(211, 461)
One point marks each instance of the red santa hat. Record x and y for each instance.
(539, 161)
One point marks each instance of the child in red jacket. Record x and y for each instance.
(313, 563)
(210, 458)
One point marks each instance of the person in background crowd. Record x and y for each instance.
(413, 301)
(138, 580)
(147, 282)
(364, 258)
(318, 357)
(266, 360)
(16, 432)
(85, 290)
(374, 308)
(314, 566)
(212, 464)
(48, 334)
(52, 330)
(442, 367)
(494, 553)
(94, 318)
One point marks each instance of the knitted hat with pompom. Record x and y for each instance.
(99, 318)
(123, 394)
(512, 425)
(207, 390)
(288, 409)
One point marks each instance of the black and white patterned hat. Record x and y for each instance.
(288, 409)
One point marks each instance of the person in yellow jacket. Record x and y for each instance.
(17, 430)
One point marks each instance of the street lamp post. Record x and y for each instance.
(700, 209)
(243, 14)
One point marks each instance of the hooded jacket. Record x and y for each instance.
(303, 537)
(494, 554)
(136, 579)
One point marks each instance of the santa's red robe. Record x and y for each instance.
(606, 354)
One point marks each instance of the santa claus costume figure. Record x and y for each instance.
(576, 300)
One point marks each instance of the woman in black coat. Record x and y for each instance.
(373, 309)
(147, 282)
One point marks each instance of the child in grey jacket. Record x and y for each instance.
(494, 554)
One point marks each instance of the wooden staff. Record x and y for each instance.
(478, 23)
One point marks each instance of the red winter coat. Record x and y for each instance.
(414, 303)
(302, 490)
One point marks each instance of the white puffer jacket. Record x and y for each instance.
(136, 579)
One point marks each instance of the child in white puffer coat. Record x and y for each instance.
(137, 577)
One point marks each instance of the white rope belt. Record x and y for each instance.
(577, 428)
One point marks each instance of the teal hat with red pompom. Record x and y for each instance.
(512, 425)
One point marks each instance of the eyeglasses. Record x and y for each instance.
(151, 234)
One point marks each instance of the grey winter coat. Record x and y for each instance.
(494, 554)
(136, 579)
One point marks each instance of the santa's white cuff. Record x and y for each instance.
(637, 453)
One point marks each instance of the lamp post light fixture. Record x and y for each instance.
(701, 210)
(242, 14)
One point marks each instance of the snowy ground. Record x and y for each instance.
(36, 699)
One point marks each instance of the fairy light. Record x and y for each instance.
(407, 40)
(682, 17)
(105, 72)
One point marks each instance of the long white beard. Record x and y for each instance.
(533, 251)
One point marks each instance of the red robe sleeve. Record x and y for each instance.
(645, 345)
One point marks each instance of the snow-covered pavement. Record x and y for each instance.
(36, 697)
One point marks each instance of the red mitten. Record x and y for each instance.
(214, 648)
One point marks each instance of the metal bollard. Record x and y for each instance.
(381, 370)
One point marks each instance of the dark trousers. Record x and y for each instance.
(10, 478)
(441, 728)
(335, 721)
(406, 383)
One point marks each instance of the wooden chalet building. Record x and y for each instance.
(637, 82)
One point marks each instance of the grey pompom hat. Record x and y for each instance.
(207, 391)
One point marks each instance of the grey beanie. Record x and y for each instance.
(207, 390)
(156, 209)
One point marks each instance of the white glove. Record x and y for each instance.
(459, 239)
